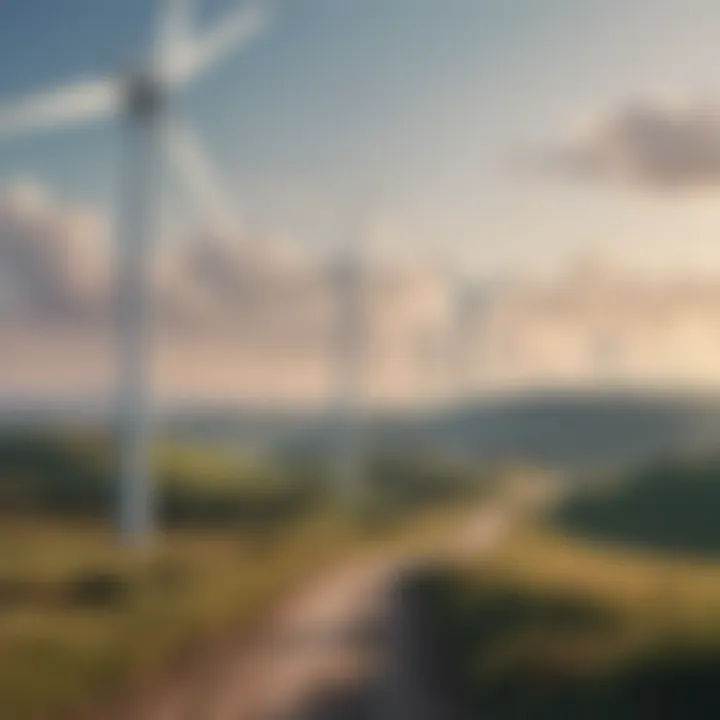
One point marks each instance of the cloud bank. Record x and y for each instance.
(647, 144)
(232, 315)
(251, 318)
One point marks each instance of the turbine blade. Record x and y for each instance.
(80, 102)
(191, 162)
(232, 33)
(173, 35)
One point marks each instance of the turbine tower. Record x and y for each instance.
(466, 300)
(350, 274)
(142, 101)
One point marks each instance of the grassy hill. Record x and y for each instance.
(610, 609)
(83, 618)
(551, 628)
(669, 507)
(558, 427)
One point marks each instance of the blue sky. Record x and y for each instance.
(421, 102)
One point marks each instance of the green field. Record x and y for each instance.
(609, 618)
(84, 619)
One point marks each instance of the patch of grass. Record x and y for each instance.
(83, 619)
(555, 627)
(74, 476)
(669, 507)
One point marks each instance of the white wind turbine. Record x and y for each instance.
(141, 100)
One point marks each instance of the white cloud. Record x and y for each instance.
(598, 324)
(53, 260)
(246, 308)
(252, 317)
(656, 144)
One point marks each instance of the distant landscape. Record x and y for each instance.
(563, 427)
(605, 605)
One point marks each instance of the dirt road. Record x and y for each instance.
(321, 655)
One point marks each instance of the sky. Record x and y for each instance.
(504, 137)
(423, 107)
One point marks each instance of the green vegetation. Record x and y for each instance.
(74, 477)
(670, 507)
(612, 613)
(82, 619)
(549, 628)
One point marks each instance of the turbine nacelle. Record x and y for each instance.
(145, 95)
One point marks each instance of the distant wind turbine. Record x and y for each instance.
(348, 272)
(142, 100)
(466, 295)
(350, 276)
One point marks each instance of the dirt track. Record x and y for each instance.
(321, 655)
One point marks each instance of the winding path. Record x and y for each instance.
(322, 654)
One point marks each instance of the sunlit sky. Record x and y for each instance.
(423, 104)
(509, 136)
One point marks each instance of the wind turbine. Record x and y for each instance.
(142, 101)
(466, 298)
(348, 273)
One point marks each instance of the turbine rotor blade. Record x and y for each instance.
(80, 102)
(231, 33)
(173, 35)
(189, 159)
